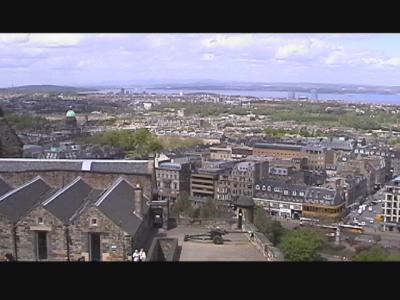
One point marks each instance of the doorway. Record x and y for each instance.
(94, 247)
(41, 245)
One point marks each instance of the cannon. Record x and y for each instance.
(214, 235)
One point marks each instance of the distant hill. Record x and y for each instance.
(45, 89)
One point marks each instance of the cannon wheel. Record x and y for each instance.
(218, 240)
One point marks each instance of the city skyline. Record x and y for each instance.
(93, 59)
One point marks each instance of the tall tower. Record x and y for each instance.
(70, 120)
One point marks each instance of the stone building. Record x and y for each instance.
(40, 223)
(219, 153)
(44, 232)
(278, 150)
(92, 216)
(239, 181)
(14, 205)
(173, 178)
(116, 224)
(373, 168)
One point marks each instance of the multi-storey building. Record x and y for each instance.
(219, 153)
(373, 168)
(354, 188)
(295, 201)
(391, 205)
(278, 150)
(317, 157)
(395, 162)
(203, 183)
(286, 174)
(173, 178)
(239, 181)
(241, 152)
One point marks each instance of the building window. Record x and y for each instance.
(40, 220)
(93, 222)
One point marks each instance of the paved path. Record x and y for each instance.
(236, 246)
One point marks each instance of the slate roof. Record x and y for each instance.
(117, 203)
(337, 144)
(311, 194)
(100, 166)
(322, 193)
(244, 201)
(4, 187)
(68, 200)
(17, 202)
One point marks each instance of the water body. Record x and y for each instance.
(346, 97)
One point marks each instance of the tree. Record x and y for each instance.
(272, 229)
(377, 253)
(302, 245)
(209, 210)
(183, 203)
(276, 231)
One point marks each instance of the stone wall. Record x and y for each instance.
(26, 231)
(6, 237)
(62, 178)
(259, 240)
(163, 249)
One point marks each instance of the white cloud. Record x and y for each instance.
(310, 50)
(110, 35)
(335, 57)
(380, 62)
(56, 39)
(208, 56)
(232, 41)
(290, 50)
(14, 37)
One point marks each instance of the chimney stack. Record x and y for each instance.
(138, 202)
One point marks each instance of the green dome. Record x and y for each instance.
(70, 114)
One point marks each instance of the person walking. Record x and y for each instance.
(135, 256)
(142, 255)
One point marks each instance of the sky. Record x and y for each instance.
(93, 59)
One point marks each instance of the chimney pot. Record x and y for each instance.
(138, 201)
